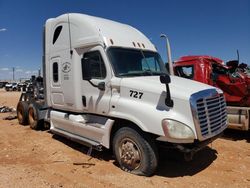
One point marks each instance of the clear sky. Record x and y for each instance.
(194, 27)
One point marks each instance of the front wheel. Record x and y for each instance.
(135, 153)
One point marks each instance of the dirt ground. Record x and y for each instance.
(31, 158)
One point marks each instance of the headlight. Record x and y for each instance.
(177, 130)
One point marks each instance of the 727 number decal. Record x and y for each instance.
(135, 94)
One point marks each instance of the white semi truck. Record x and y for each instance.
(105, 85)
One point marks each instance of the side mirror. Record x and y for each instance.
(86, 69)
(165, 79)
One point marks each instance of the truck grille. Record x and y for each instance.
(212, 116)
(209, 113)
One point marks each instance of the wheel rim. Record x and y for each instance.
(31, 116)
(130, 154)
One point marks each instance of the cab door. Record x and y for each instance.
(96, 91)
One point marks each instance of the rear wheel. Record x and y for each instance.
(135, 153)
(34, 121)
(22, 112)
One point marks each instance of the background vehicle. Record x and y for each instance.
(231, 77)
(8, 86)
(2, 84)
(14, 86)
(20, 86)
(24, 86)
(11, 86)
(109, 91)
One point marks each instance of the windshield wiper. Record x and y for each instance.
(131, 74)
(152, 73)
(141, 73)
(147, 72)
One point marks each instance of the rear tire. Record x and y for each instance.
(33, 115)
(135, 153)
(22, 112)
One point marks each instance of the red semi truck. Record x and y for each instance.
(231, 77)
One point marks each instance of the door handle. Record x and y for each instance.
(84, 101)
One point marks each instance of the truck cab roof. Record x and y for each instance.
(88, 30)
(200, 58)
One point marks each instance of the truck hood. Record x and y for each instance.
(180, 88)
(141, 100)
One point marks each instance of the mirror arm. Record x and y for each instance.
(91, 83)
(168, 101)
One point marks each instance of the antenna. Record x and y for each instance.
(238, 56)
(70, 44)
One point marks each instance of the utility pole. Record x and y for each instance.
(13, 69)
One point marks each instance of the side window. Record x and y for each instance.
(93, 65)
(56, 33)
(55, 72)
(185, 71)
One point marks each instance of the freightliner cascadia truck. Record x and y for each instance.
(106, 86)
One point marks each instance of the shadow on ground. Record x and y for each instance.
(172, 163)
(236, 135)
(105, 155)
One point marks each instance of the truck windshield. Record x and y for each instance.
(133, 62)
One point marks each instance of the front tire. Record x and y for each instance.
(135, 153)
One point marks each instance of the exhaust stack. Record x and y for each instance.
(170, 63)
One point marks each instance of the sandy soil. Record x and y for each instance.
(40, 159)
